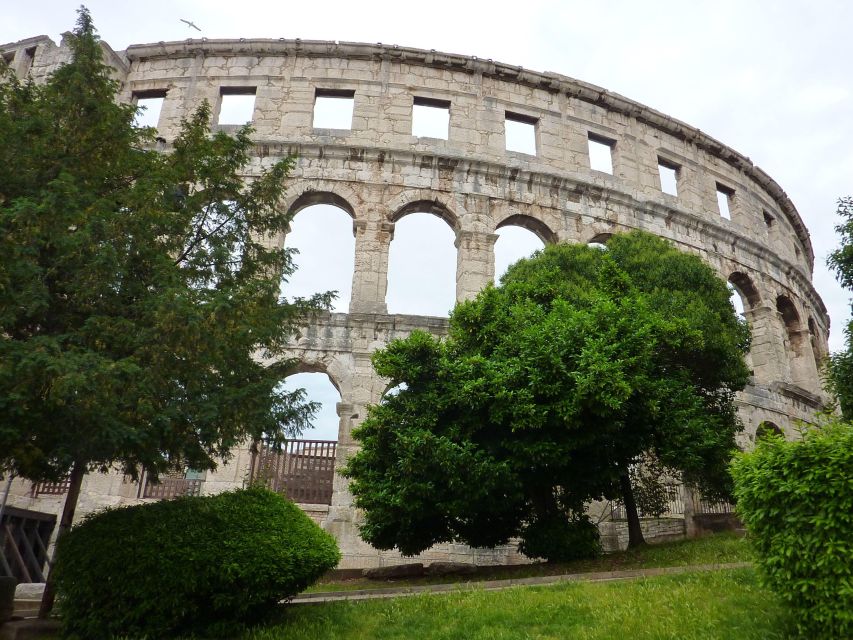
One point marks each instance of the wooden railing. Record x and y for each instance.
(24, 536)
(302, 470)
(52, 488)
(169, 487)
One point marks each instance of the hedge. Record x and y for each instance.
(205, 566)
(796, 500)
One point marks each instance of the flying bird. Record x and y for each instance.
(191, 24)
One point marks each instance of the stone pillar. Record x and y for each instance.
(370, 275)
(767, 352)
(345, 411)
(475, 262)
(341, 508)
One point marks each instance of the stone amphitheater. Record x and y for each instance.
(715, 203)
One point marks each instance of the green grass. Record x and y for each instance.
(693, 606)
(719, 548)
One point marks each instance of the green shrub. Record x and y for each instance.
(204, 566)
(796, 500)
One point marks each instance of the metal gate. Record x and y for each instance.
(24, 536)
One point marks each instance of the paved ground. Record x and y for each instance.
(492, 585)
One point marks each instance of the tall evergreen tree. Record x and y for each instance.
(141, 324)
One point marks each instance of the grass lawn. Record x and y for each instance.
(719, 548)
(702, 606)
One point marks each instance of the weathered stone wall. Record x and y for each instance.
(379, 172)
(614, 533)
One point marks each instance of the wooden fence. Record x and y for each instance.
(302, 470)
(24, 537)
(52, 488)
(168, 487)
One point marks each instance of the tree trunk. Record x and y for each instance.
(75, 481)
(635, 532)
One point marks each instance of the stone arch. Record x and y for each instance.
(434, 206)
(333, 420)
(744, 286)
(422, 278)
(542, 230)
(790, 317)
(804, 371)
(316, 366)
(305, 193)
(767, 428)
(322, 228)
(518, 236)
(599, 240)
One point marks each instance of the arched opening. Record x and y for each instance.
(741, 305)
(791, 320)
(302, 468)
(514, 243)
(746, 290)
(737, 300)
(422, 261)
(599, 241)
(802, 364)
(322, 234)
(767, 429)
(318, 388)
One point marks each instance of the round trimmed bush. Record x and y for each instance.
(204, 565)
(796, 500)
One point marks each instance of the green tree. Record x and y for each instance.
(137, 294)
(839, 369)
(545, 393)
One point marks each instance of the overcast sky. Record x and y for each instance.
(772, 79)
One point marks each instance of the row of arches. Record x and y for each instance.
(422, 260)
(803, 343)
(409, 265)
(321, 388)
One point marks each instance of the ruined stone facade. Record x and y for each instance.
(378, 172)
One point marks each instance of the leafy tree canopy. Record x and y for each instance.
(839, 371)
(547, 389)
(138, 290)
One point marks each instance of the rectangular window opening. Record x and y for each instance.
(333, 108)
(520, 133)
(601, 153)
(724, 200)
(768, 219)
(668, 176)
(430, 118)
(236, 105)
(152, 103)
